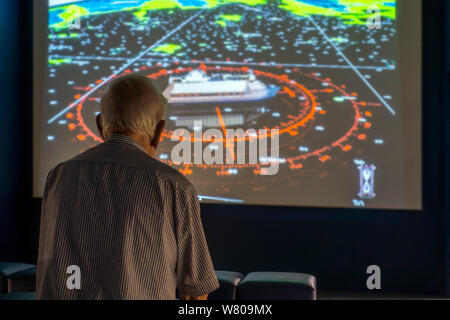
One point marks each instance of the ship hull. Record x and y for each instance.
(256, 95)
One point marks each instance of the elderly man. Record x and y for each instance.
(118, 224)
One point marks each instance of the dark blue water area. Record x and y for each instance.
(53, 16)
(329, 4)
(100, 6)
(390, 4)
(109, 5)
(335, 5)
(193, 3)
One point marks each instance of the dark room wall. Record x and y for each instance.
(336, 245)
(8, 123)
(447, 145)
(15, 125)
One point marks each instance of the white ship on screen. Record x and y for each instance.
(198, 87)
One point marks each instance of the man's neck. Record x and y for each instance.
(142, 141)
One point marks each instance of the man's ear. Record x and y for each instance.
(158, 131)
(98, 120)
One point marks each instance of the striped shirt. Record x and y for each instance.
(130, 223)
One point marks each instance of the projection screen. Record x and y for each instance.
(338, 82)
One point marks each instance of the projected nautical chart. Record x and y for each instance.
(313, 69)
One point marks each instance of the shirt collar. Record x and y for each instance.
(121, 138)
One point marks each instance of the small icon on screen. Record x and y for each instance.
(367, 181)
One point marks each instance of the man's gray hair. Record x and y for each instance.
(132, 104)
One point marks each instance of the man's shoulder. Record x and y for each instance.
(166, 172)
(132, 158)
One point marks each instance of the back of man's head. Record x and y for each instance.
(132, 104)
